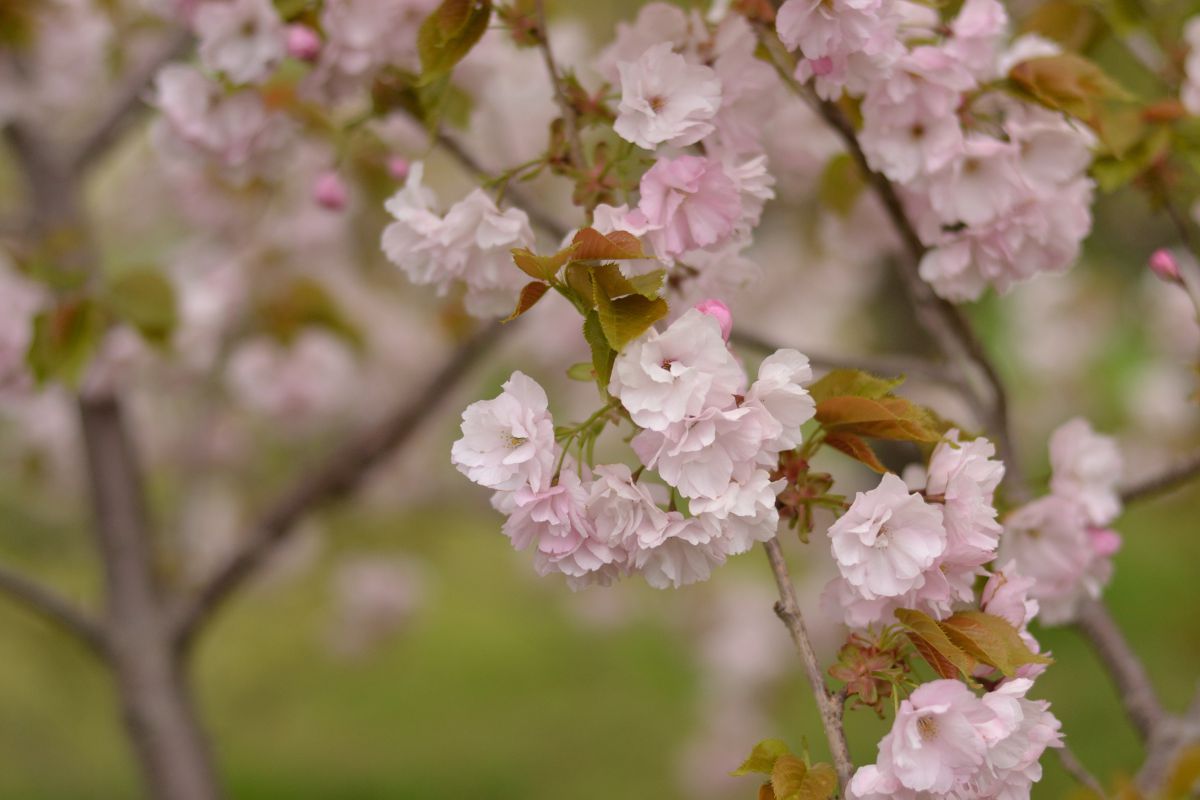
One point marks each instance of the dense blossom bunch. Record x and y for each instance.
(895, 548)
(712, 441)
(997, 187)
(1062, 541)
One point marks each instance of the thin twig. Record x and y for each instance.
(335, 476)
(829, 704)
(569, 116)
(57, 610)
(128, 99)
(1172, 478)
(1075, 768)
(1137, 693)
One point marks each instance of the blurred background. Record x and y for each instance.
(398, 647)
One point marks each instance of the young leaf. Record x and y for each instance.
(841, 184)
(449, 33)
(762, 757)
(819, 784)
(602, 355)
(886, 418)
(582, 371)
(530, 294)
(787, 776)
(542, 268)
(1067, 82)
(856, 448)
(947, 659)
(627, 318)
(64, 339)
(853, 383)
(610, 280)
(592, 245)
(302, 304)
(146, 300)
(991, 640)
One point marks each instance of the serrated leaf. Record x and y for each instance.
(609, 279)
(581, 371)
(542, 268)
(787, 776)
(146, 300)
(1067, 82)
(947, 659)
(762, 758)
(819, 783)
(856, 448)
(449, 33)
(990, 640)
(64, 339)
(841, 184)
(530, 294)
(886, 418)
(627, 318)
(853, 383)
(592, 245)
(603, 355)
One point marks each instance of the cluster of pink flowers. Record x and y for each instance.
(947, 742)
(997, 188)
(896, 548)
(1062, 540)
(470, 244)
(711, 441)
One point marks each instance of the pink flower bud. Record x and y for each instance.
(398, 167)
(1105, 542)
(718, 311)
(303, 42)
(329, 191)
(822, 66)
(1163, 264)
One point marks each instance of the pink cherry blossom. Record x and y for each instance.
(718, 311)
(242, 39)
(964, 475)
(887, 539)
(508, 441)
(303, 43)
(687, 203)
(666, 100)
(1086, 468)
(780, 391)
(329, 191)
(1164, 264)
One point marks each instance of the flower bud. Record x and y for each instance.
(398, 167)
(1105, 542)
(1163, 264)
(718, 311)
(303, 42)
(329, 191)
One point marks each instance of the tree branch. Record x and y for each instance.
(569, 118)
(51, 607)
(1172, 478)
(788, 610)
(1137, 693)
(1075, 768)
(127, 101)
(338, 474)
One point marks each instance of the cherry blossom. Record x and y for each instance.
(244, 40)
(1086, 468)
(687, 203)
(508, 441)
(666, 100)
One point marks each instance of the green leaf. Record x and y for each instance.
(603, 355)
(582, 371)
(448, 34)
(146, 300)
(302, 304)
(991, 640)
(592, 245)
(579, 280)
(947, 659)
(787, 776)
(841, 184)
(886, 418)
(1072, 24)
(762, 758)
(64, 340)
(627, 318)
(610, 280)
(853, 383)
(819, 783)
(1067, 82)
(530, 294)
(542, 268)
(856, 448)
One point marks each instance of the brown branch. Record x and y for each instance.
(51, 607)
(127, 101)
(569, 117)
(1172, 478)
(335, 476)
(828, 703)
(1137, 693)
(1075, 768)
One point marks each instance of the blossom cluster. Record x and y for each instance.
(896, 548)
(711, 440)
(996, 187)
(1062, 541)
(947, 742)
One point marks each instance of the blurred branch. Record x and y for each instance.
(51, 607)
(1075, 768)
(1171, 478)
(1137, 693)
(569, 116)
(829, 704)
(880, 365)
(335, 476)
(128, 100)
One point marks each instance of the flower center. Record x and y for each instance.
(882, 539)
(657, 103)
(514, 442)
(927, 727)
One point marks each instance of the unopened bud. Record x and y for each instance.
(329, 191)
(398, 167)
(720, 312)
(1163, 264)
(303, 42)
